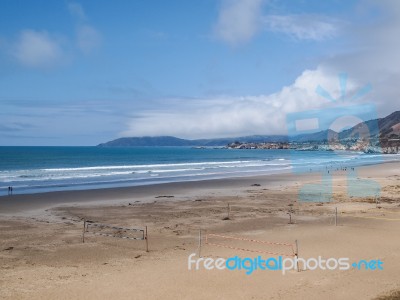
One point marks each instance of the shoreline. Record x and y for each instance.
(23, 203)
(40, 181)
(26, 202)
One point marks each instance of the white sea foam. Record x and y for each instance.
(137, 174)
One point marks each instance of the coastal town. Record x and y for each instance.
(384, 146)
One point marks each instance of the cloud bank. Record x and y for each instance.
(237, 116)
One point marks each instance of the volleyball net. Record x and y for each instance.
(112, 231)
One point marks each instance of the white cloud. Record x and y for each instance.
(87, 37)
(375, 55)
(372, 57)
(237, 116)
(302, 27)
(377, 63)
(38, 49)
(238, 20)
(41, 49)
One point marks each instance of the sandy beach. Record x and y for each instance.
(42, 255)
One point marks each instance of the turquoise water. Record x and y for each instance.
(42, 169)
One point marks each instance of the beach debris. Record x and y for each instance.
(165, 196)
(179, 248)
(8, 248)
(137, 256)
(256, 184)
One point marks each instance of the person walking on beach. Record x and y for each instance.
(9, 190)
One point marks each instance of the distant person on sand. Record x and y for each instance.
(9, 190)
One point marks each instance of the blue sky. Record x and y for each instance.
(81, 73)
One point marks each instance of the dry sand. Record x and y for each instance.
(42, 255)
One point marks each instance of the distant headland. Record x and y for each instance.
(383, 137)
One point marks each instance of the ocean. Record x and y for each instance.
(44, 169)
